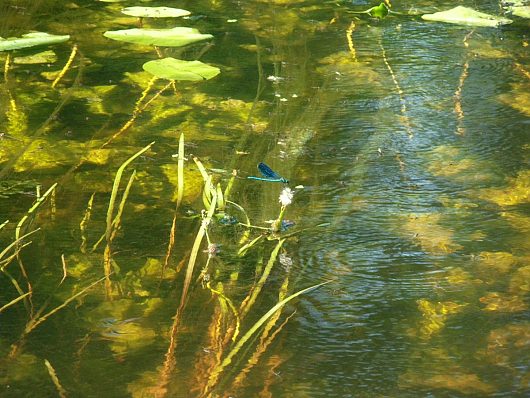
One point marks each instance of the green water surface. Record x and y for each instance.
(408, 144)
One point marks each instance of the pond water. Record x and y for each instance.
(406, 145)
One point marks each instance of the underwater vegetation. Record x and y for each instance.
(141, 253)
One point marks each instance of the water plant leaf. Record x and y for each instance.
(177, 69)
(214, 376)
(522, 11)
(43, 57)
(155, 12)
(175, 37)
(467, 16)
(379, 11)
(31, 40)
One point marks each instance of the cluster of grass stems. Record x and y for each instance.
(228, 333)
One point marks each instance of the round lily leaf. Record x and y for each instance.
(467, 16)
(520, 11)
(177, 69)
(155, 12)
(176, 37)
(31, 40)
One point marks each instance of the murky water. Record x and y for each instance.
(410, 139)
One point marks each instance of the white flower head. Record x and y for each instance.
(286, 197)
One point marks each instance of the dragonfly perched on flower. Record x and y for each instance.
(268, 175)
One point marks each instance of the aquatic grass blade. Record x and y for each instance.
(34, 322)
(115, 186)
(245, 248)
(32, 210)
(214, 377)
(180, 171)
(112, 220)
(223, 298)
(180, 195)
(14, 301)
(170, 361)
(249, 301)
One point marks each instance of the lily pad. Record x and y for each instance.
(177, 69)
(155, 12)
(467, 16)
(176, 37)
(520, 11)
(31, 40)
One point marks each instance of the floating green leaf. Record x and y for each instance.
(467, 16)
(379, 11)
(177, 69)
(31, 40)
(155, 12)
(176, 37)
(520, 11)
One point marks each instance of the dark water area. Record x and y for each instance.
(405, 143)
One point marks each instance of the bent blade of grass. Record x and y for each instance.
(246, 234)
(116, 185)
(243, 250)
(201, 168)
(15, 243)
(117, 220)
(266, 337)
(249, 301)
(217, 372)
(222, 298)
(32, 210)
(14, 301)
(195, 250)
(34, 322)
(209, 189)
(4, 224)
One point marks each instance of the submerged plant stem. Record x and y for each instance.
(135, 114)
(349, 33)
(53, 375)
(460, 130)
(66, 66)
(180, 195)
(249, 301)
(404, 112)
(214, 377)
(170, 361)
